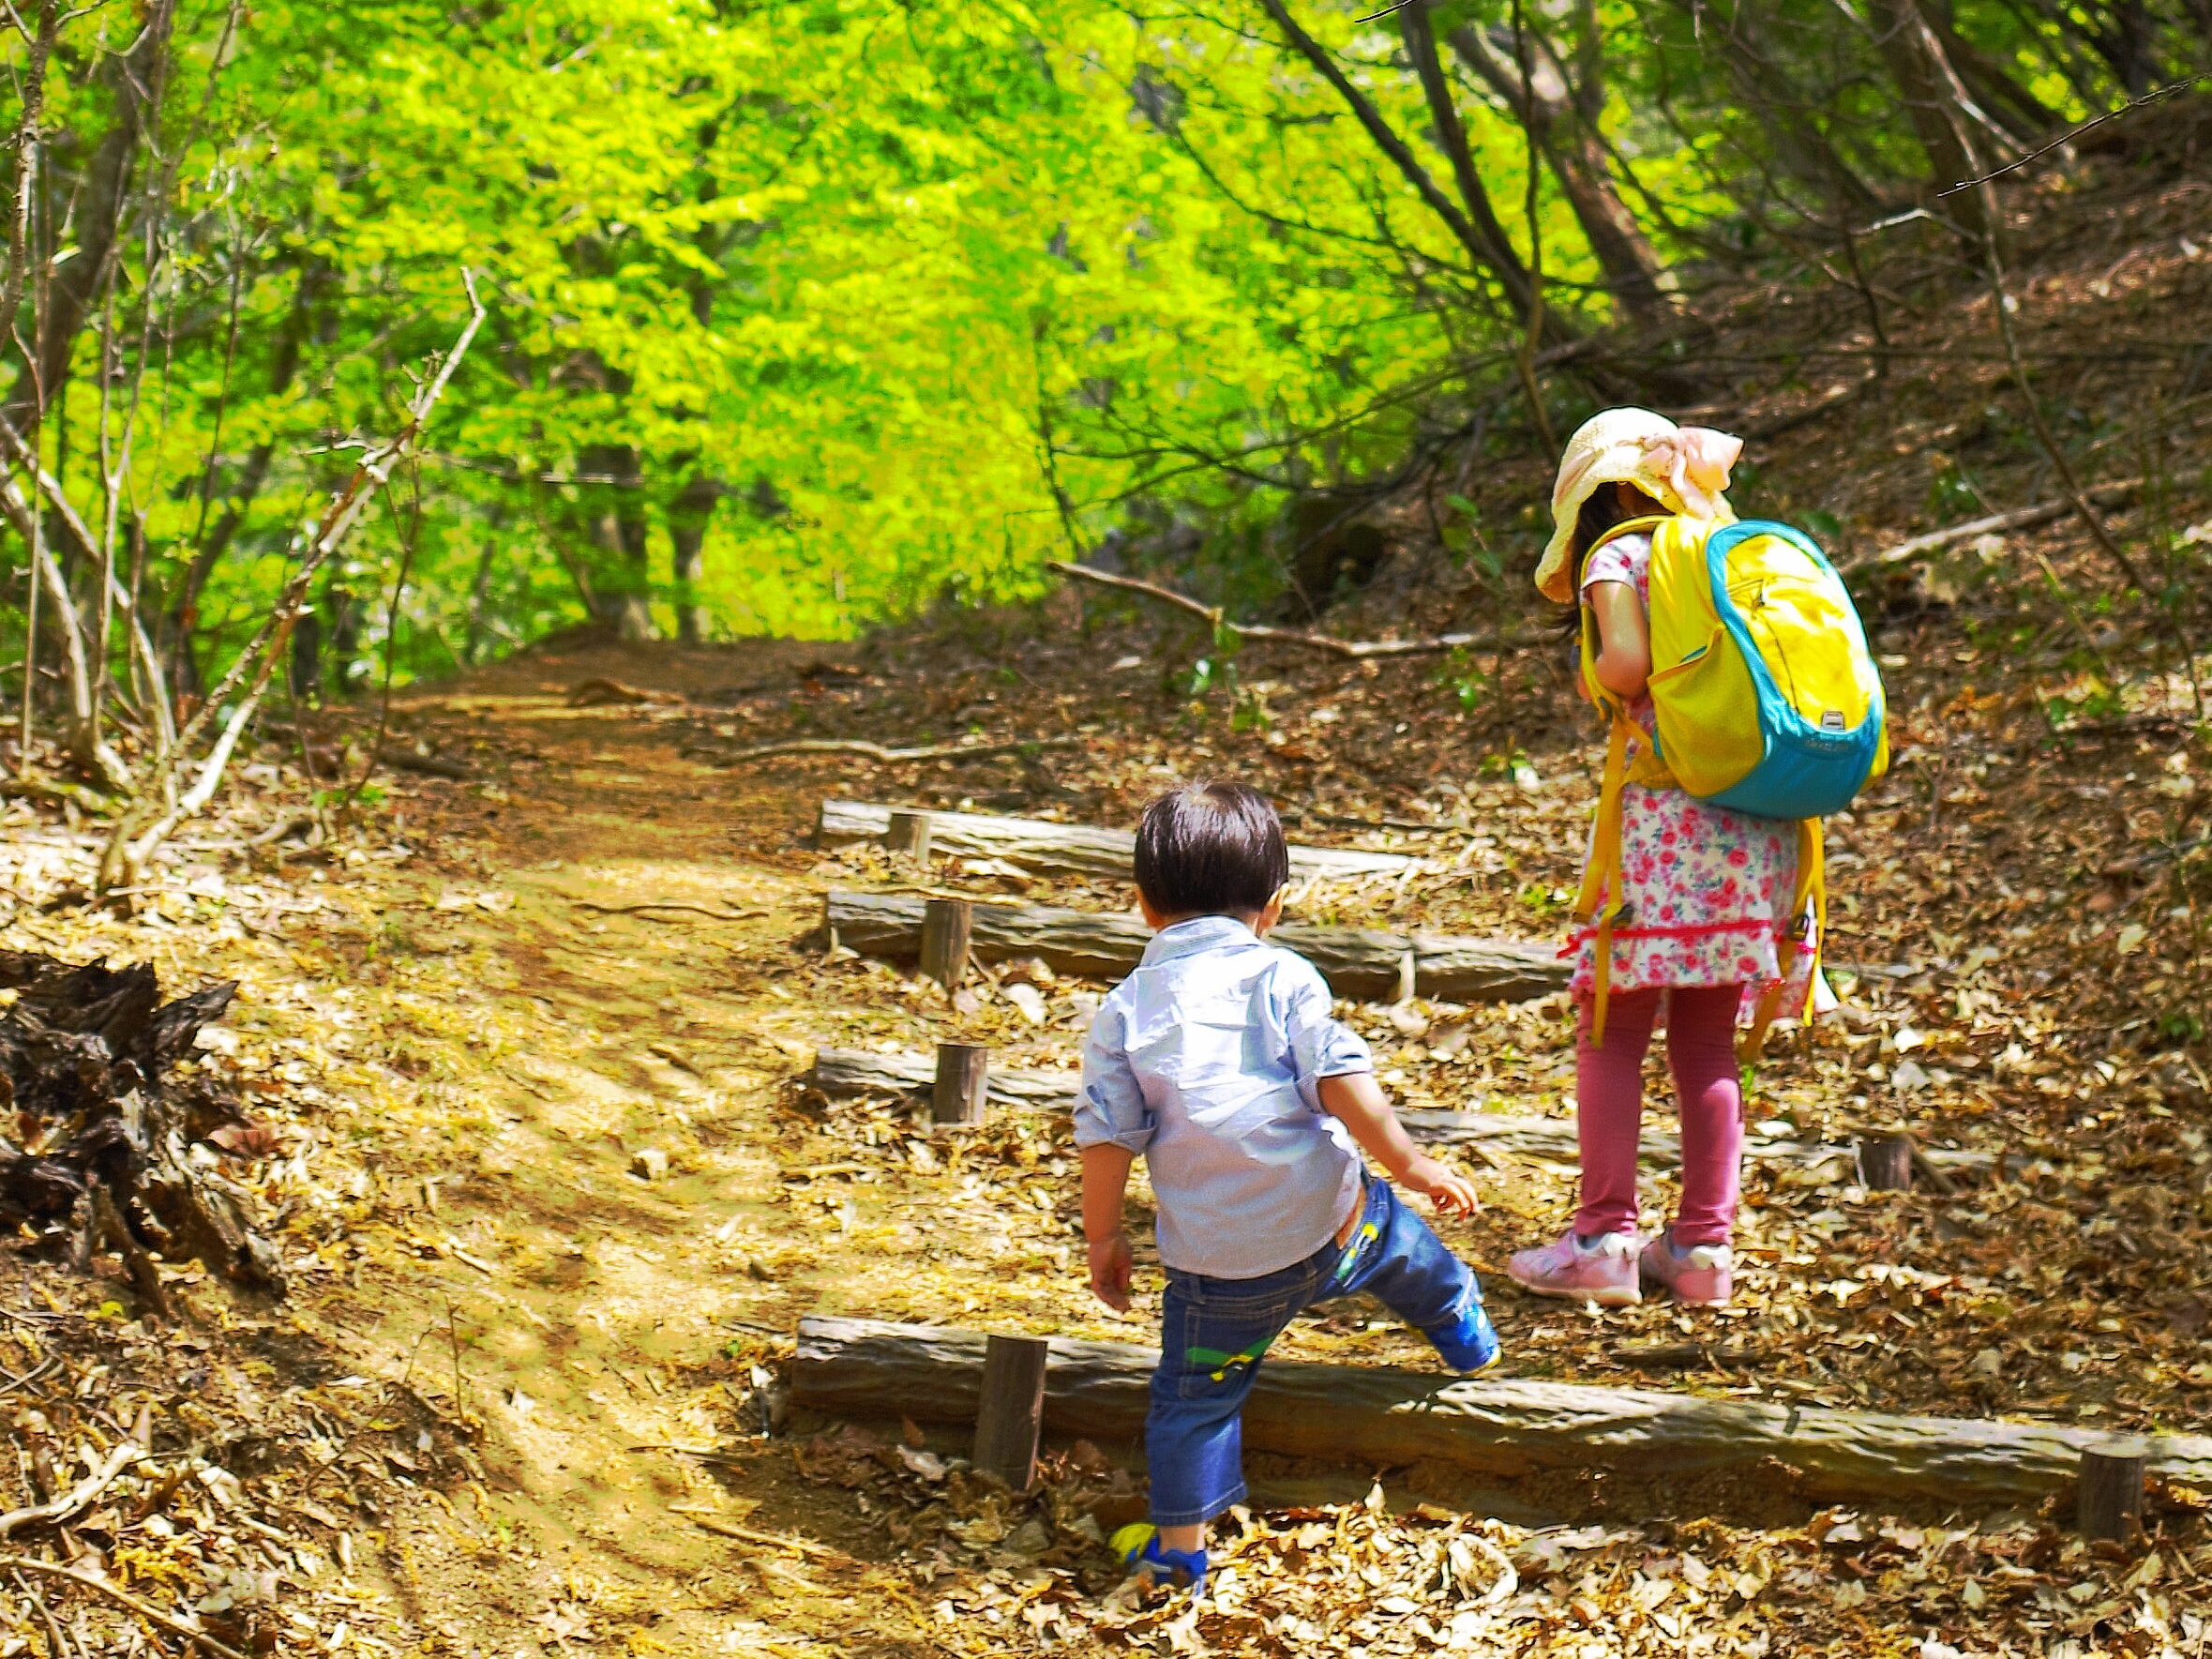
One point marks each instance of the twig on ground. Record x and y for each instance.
(599, 692)
(876, 751)
(405, 760)
(708, 1456)
(285, 825)
(56, 1643)
(776, 1540)
(1354, 650)
(1997, 523)
(652, 904)
(1775, 426)
(9, 1384)
(53, 792)
(153, 1615)
(133, 1446)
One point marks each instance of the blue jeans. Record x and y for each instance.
(1214, 1333)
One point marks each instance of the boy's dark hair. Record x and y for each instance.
(1211, 849)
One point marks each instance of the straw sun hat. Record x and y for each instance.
(1682, 468)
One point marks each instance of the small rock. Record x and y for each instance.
(1027, 998)
(649, 1164)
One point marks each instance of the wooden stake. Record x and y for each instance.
(947, 926)
(2111, 1501)
(1885, 1163)
(963, 1073)
(908, 835)
(1011, 1415)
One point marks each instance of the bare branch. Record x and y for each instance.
(890, 757)
(1997, 523)
(124, 853)
(2157, 95)
(1352, 650)
(152, 1615)
(78, 1498)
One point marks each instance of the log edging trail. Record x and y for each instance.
(1043, 847)
(1378, 1417)
(1359, 962)
(847, 1073)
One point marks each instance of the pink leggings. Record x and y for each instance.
(1609, 1097)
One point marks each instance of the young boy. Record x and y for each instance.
(1219, 1061)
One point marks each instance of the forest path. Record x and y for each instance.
(590, 1312)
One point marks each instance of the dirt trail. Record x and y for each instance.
(524, 1236)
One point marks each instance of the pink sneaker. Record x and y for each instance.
(1603, 1271)
(1701, 1276)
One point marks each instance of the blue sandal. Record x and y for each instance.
(1139, 1548)
(1468, 1345)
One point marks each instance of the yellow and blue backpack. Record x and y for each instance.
(1766, 698)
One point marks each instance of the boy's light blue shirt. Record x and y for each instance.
(1208, 1060)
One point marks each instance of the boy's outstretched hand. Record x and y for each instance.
(1110, 1271)
(1357, 1101)
(1449, 1191)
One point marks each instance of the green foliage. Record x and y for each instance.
(874, 303)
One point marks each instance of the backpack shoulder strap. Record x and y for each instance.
(1598, 905)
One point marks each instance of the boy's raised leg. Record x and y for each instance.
(1395, 1255)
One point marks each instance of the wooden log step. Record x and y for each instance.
(1045, 847)
(1357, 962)
(1374, 1417)
(842, 1073)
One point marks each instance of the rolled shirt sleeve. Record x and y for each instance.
(1321, 1046)
(1112, 1110)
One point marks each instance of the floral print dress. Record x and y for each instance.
(1707, 890)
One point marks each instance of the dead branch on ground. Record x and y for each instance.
(1352, 650)
(1997, 523)
(152, 1615)
(134, 1445)
(653, 904)
(888, 756)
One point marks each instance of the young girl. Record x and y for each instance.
(1707, 894)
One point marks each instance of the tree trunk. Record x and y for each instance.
(181, 617)
(1925, 84)
(688, 513)
(1485, 241)
(615, 518)
(1418, 31)
(135, 80)
(2026, 119)
(1552, 112)
(1801, 148)
(479, 590)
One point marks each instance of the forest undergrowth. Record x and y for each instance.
(526, 1047)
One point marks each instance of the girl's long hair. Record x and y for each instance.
(1598, 514)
